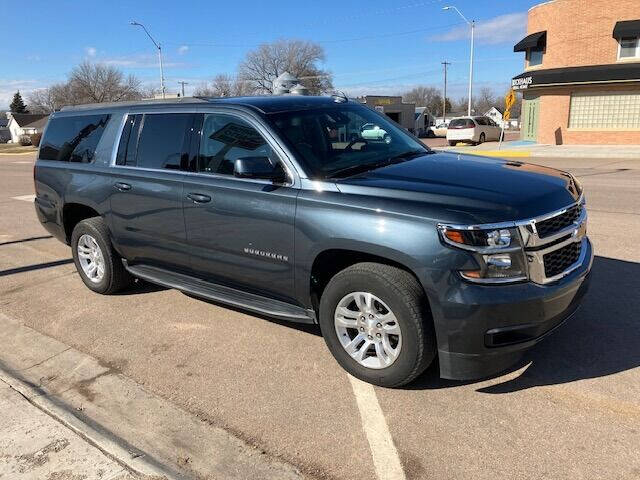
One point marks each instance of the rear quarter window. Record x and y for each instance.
(461, 123)
(73, 139)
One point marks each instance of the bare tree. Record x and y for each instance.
(224, 85)
(89, 83)
(298, 57)
(95, 83)
(429, 97)
(485, 99)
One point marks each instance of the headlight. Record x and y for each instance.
(498, 252)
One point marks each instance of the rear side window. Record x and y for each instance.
(73, 139)
(162, 140)
(482, 121)
(461, 123)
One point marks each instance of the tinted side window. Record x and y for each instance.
(481, 121)
(73, 139)
(129, 141)
(163, 139)
(226, 138)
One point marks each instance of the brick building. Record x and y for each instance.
(581, 82)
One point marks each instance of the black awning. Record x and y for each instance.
(538, 39)
(628, 28)
(623, 72)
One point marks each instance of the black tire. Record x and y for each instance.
(453, 143)
(481, 139)
(115, 276)
(405, 297)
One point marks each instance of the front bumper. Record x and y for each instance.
(482, 330)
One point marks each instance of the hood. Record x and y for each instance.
(469, 189)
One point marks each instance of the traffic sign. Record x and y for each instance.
(506, 115)
(510, 99)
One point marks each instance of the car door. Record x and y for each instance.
(240, 231)
(147, 222)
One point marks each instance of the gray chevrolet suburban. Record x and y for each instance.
(286, 206)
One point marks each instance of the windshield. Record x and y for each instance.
(344, 139)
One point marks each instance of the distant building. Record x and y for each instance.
(394, 108)
(581, 79)
(496, 115)
(25, 124)
(423, 120)
(287, 84)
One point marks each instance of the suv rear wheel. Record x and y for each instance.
(375, 322)
(98, 264)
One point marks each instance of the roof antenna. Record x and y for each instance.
(339, 96)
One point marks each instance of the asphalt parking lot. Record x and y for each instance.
(572, 410)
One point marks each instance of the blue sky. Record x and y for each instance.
(372, 46)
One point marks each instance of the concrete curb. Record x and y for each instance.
(3, 154)
(107, 444)
(144, 433)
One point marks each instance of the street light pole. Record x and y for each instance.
(157, 45)
(472, 24)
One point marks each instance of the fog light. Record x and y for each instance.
(499, 261)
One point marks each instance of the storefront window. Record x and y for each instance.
(605, 111)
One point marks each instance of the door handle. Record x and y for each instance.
(199, 198)
(123, 187)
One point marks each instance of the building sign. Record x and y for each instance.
(521, 83)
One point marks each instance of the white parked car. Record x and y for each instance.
(439, 130)
(472, 130)
(371, 131)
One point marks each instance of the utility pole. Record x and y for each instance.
(444, 99)
(182, 84)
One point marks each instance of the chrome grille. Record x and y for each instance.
(558, 261)
(555, 224)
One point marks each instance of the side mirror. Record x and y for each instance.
(259, 168)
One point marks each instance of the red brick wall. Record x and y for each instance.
(579, 31)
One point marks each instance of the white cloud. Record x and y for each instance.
(90, 51)
(8, 88)
(501, 29)
(183, 49)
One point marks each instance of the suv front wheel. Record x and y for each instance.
(375, 321)
(98, 264)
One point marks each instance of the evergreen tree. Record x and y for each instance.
(17, 105)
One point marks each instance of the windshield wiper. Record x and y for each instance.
(365, 167)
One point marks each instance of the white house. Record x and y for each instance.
(496, 116)
(25, 124)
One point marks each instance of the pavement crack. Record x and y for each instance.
(45, 360)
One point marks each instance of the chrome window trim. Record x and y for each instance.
(112, 163)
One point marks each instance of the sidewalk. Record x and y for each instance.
(35, 446)
(517, 149)
(65, 415)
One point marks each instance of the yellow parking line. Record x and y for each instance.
(498, 153)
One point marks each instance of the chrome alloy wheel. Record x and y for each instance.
(91, 258)
(368, 330)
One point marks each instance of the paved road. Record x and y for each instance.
(571, 411)
(442, 142)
